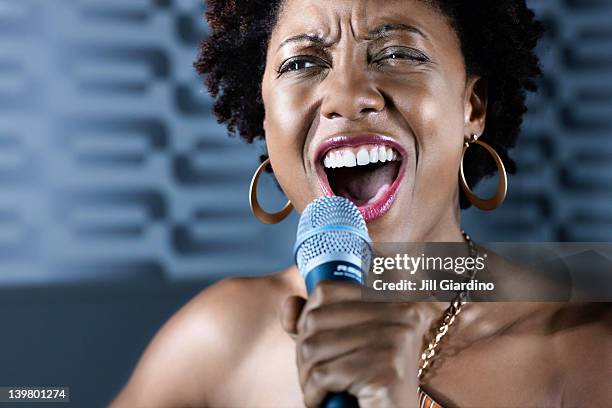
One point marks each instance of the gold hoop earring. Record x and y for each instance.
(258, 212)
(496, 201)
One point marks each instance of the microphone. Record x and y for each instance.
(333, 244)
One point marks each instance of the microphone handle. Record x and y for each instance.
(340, 400)
(338, 271)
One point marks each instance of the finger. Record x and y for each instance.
(328, 345)
(358, 373)
(347, 314)
(290, 312)
(328, 292)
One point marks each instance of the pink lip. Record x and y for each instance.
(381, 206)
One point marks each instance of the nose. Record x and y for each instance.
(350, 95)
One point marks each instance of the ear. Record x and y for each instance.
(475, 106)
(265, 140)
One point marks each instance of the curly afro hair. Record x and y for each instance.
(498, 40)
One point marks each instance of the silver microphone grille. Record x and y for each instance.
(331, 226)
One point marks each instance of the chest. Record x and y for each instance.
(268, 377)
(509, 372)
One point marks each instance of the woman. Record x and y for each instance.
(374, 101)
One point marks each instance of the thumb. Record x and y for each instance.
(290, 313)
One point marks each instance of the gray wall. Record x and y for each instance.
(563, 191)
(112, 167)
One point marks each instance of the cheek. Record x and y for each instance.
(286, 125)
(441, 134)
(434, 113)
(286, 113)
(440, 157)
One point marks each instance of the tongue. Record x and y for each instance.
(365, 184)
(359, 201)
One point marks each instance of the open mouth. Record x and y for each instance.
(367, 173)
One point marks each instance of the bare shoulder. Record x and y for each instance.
(583, 343)
(198, 347)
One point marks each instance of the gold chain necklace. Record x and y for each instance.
(448, 318)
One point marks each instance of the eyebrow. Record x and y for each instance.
(384, 29)
(302, 37)
(379, 32)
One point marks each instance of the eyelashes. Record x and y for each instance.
(301, 63)
(402, 53)
(391, 55)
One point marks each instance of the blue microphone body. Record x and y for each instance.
(333, 244)
(333, 269)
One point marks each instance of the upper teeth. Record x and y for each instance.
(361, 156)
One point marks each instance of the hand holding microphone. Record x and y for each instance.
(349, 352)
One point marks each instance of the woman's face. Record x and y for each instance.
(369, 100)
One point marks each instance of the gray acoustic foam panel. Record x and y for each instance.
(113, 168)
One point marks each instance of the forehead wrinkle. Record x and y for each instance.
(358, 19)
(315, 26)
(322, 26)
(384, 29)
(304, 37)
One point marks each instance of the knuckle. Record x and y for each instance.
(309, 401)
(408, 312)
(398, 335)
(308, 347)
(312, 320)
(312, 396)
(303, 370)
(323, 290)
(318, 374)
(394, 363)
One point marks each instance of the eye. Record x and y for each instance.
(296, 65)
(300, 63)
(401, 53)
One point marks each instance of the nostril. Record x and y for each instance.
(362, 113)
(369, 110)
